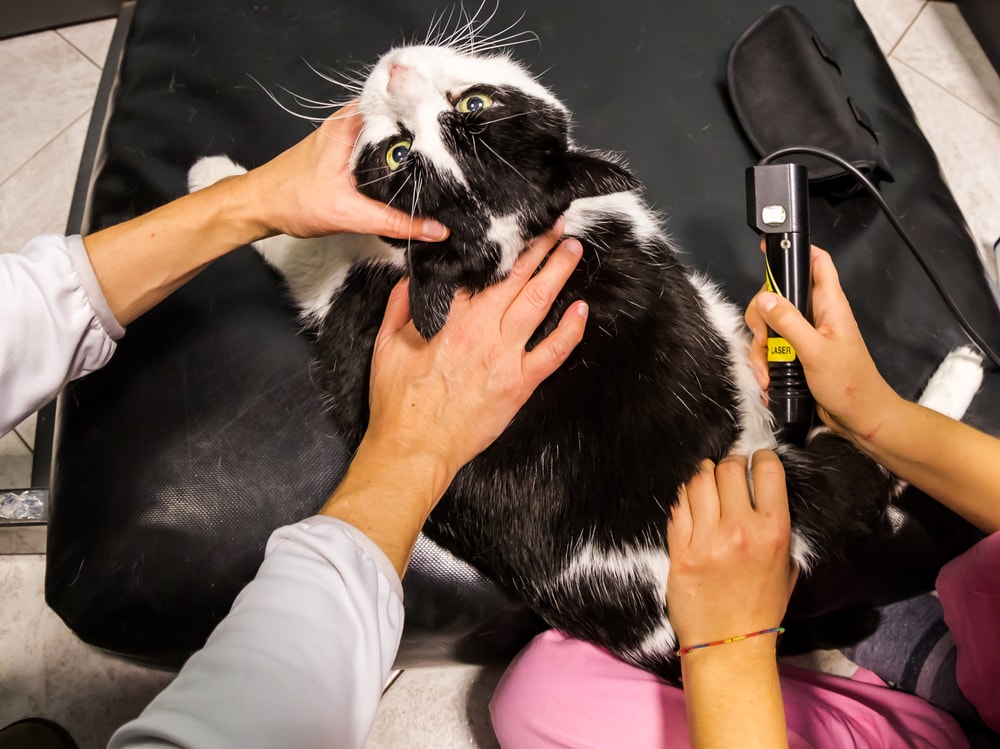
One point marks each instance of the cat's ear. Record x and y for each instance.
(593, 174)
(431, 295)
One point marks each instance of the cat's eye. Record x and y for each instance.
(397, 154)
(474, 103)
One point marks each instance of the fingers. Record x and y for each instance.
(397, 310)
(703, 498)
(364, 215)
(720, 492)
(533, 300)
(782, 317)
(529, 260)
(828, 295)
(758, 346)
(367, 216)
(769, 488)
(548, 355)
(734, 492)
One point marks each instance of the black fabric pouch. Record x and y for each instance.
(787, 91)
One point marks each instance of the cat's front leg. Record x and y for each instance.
(314, 269)
(211, 169)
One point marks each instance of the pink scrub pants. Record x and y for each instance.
(562, 692)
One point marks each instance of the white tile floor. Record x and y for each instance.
(48, 86)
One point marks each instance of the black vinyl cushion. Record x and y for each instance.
(206, 431)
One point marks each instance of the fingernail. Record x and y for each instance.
(582, 309)
(767, 301)
(433, 231)
(573, 246)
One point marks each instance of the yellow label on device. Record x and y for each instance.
(778, 349)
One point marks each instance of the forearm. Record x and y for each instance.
(947, 459)
(387, 494)
(140, 262)
(56, 324)
(299, 662)
(733, 696)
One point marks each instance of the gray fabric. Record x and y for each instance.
(299, 661)
(57, 325)
(913, 650)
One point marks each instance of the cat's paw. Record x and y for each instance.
(955, 383)
(211, 169)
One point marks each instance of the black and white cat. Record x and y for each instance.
(569, 507)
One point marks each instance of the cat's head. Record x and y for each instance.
(477, 143)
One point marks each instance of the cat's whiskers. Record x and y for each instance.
(308, 103)
(467, 38)
(512, 167)
(495, 120)
(396, 194)
(375, 181)
(277, 101)
(353, 83)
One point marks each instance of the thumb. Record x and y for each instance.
(397, 311)
(782, 317)
(373, 217)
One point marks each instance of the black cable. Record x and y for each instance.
(874, 191)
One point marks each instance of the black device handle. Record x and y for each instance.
(778, 207)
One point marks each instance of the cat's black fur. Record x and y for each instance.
(569, 507)
(598, 453)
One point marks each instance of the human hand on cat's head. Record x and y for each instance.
(851, 396)
(730, 567)
(309, 190)
(449, 398)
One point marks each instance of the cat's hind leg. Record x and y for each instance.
(837, 495)
(955, 383)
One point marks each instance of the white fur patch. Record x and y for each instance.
(802, 552)
(410, 87)
(629, 567)
(315, 269)
(756, 431)
(583, 213)
(506, 232)
(955, 383)
(211, 169)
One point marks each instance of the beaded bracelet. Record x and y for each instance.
(772, 630)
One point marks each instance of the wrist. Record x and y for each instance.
(412, 467)
(746, 661)
(750, 650)
(246, 207)
(880, 410)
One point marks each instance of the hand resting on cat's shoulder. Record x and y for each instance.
(469, 381)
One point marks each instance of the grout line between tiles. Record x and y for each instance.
(87, 57)
(930, 80)
(906, 31)
(23, 441)
(52, 140)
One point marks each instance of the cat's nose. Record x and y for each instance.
(398, 76)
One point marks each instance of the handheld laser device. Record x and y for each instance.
(778, 208)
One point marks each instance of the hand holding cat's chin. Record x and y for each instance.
(309, 191)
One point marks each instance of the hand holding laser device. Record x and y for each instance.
(778, 207)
